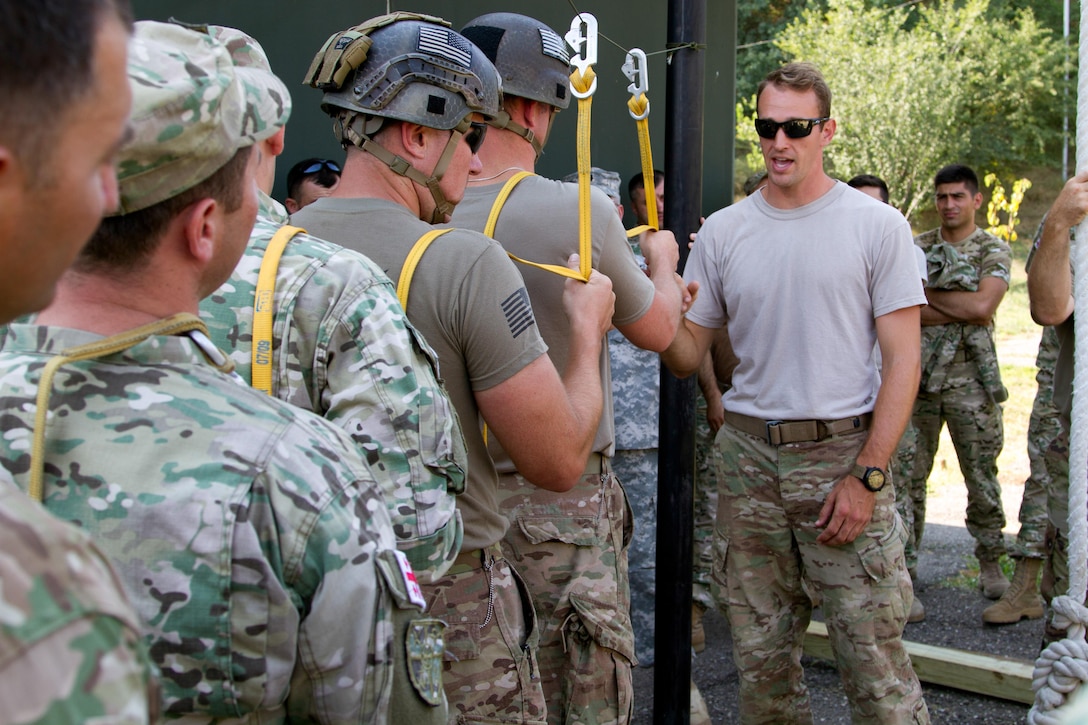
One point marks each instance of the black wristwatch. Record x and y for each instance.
(872, 478)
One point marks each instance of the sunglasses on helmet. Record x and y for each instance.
(794, 128)
(318, 165)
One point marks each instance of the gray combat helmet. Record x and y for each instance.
(531, 57)
(405, 67)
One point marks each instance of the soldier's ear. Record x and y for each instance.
(201, 226)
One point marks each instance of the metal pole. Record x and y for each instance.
(676, 438)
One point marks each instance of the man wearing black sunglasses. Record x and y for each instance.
(809, 275)
(308, 181)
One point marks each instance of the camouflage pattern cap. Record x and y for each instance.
(199, 95)
(605, 180)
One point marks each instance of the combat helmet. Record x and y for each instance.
(532, 59)
(405, 67)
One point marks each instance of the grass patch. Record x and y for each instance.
(967, 578)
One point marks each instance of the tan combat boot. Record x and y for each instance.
(917, 609)
(698, 634)
(991, 580)
(699, 715)
(1022, 597)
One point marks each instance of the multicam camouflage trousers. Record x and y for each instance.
(706, 508)
(1055, 581)
(1043, 427)
(571, 548)
(488, 673)
(910, 503)
(765, 542)
(975, 426)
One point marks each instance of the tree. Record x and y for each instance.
(917, 87)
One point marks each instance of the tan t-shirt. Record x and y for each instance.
(539, 222)
(470, 304)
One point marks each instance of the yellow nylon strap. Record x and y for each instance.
(493, 220)
(583, 85)
(641, 104)
(500, 201)
(173, 325)
(635, 231)
(412, 261)
(261, 353)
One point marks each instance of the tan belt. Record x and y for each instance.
(596, 464)
(961, 356)
(777, 432)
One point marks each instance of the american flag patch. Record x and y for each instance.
(519, 312)
(447, 44)
(551, 44)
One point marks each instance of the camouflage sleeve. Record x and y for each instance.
(381, 386)
(996, 259)
(70, 646)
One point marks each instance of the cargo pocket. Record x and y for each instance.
(884, 562)
(601, 622)
(600, 647)
(579, 531)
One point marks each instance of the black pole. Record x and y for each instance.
(676, 435)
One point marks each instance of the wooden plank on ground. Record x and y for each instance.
(993, 675)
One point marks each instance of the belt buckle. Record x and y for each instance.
(771, 425)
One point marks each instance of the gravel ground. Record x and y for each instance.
(953, 619)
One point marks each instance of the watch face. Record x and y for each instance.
(875, 479)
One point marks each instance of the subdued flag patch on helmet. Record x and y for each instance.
(446, 44)
(552, 45)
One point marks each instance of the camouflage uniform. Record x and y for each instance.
(636, 380)
(70, 644)
(961, 386)
(766, 540)
(705, 509)
(251, 535)
(137, 453)
(911, 507)
(1044, 426)
(343, 348)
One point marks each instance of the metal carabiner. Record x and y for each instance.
(634, 67)
(582, 38)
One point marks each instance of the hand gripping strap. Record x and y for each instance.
(261, 352)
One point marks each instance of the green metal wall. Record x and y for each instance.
(291, 31)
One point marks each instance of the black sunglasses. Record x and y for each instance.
(474, 136)
(318, 165)
(794, 128)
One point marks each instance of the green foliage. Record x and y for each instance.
(916, 87)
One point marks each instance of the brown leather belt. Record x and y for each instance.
(777, 432)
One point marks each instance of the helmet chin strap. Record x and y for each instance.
(503, 120)
(355, 130)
